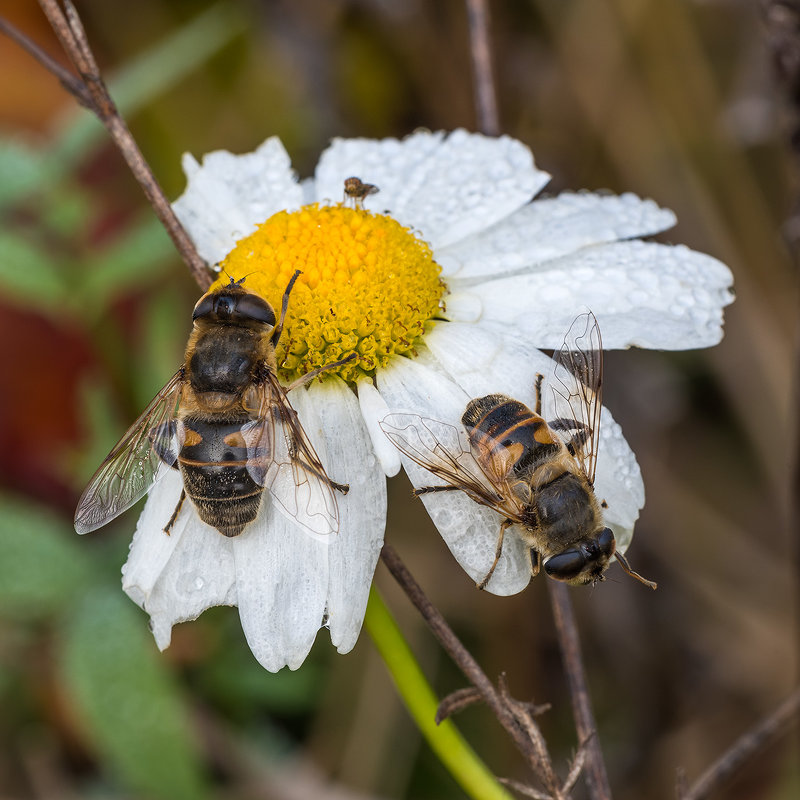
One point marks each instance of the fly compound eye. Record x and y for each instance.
(205, 305)
(256, 308)
(606, 542)
(565, 566)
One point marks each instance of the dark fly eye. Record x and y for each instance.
(235, 307)
(205, 305)
(606, 542)
(566, 565)
(254, 307)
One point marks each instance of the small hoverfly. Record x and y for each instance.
(357, 191)
(538, 475)
(226, 423)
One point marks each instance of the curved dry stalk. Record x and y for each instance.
(516, 717)
(743, 749)
(90, 90)
(569, 644)
(481, 52)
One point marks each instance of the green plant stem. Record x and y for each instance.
(456, 755)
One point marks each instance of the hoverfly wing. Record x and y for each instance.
(282, 459)
(577, 381)
(445, 451)
(141, 457)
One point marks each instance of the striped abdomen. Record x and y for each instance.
(213, 461)
(503, 430)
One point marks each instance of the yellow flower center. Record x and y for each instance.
(368, 285)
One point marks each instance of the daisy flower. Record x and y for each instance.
(444, 284)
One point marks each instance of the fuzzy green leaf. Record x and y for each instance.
(128, 703)
(28, 274)
(41, 567)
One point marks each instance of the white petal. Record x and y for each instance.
(354, 552)
(175, 578)
(485, 362)
(281, 581)
(230, 194)
(282, 575)
(643, 294)
(374, 409)
(462, 307)
(446, 188)
(469, 529)
(553, 227)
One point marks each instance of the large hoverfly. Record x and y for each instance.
(538, 475)
(226, 423)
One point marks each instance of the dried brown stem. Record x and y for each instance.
(480, 49)
(524, 789)
(457, 701)
(526, 722)
(746, 747)
(91, 92)
(595, 769)
(67, 79)
(514, 716)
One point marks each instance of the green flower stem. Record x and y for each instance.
(456, 755)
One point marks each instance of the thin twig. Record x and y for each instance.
(576, 768)
(515, 717)
(524, 789)
(67, 79)
(457, 701)
(485, 99)
(91, 92)
(744, 748)
(595, 769)
(526, 722)
(456, 650)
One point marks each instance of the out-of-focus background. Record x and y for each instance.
(677, 100)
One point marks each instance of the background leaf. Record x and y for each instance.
(127, 700)
(41, 566)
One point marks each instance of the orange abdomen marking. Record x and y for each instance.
(505, 430)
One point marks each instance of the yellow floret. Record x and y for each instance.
(368, 285)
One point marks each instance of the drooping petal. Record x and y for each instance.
(484, 362)
(354, 552)
(176, 577)
(550, 228)
(229, 195)
(282, 573)
(373, 410)
(643, 294)
(462, 306)
(446, 187)
(469, 529)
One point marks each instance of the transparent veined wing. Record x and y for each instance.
(445, 451)
(577, 383)
(281, 458)
(142, 456)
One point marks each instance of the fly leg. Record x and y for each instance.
(276, 333)
(430, 489)
(536, 562)
(576, 442)
(174, 518)
(309, 376)
(344, 488)
(623, 562)
(317, 472)
(538, 388)
(497, 553)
